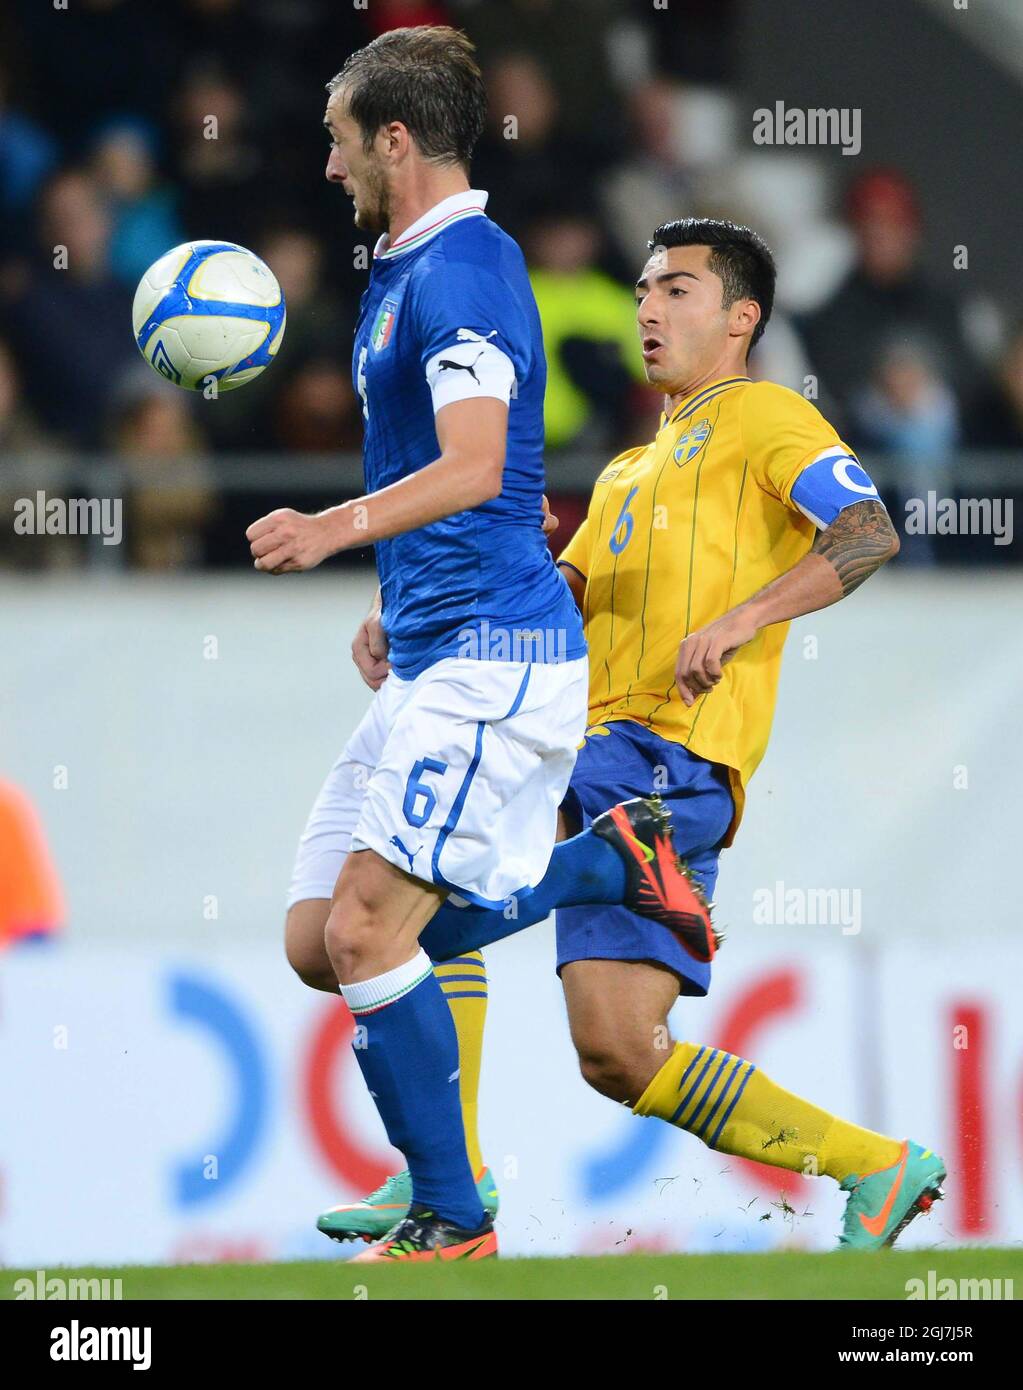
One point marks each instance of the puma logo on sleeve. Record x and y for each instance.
(446, 364)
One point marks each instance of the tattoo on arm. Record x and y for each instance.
(858, 542)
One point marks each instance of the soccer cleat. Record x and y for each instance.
(883, 1203)
(378, 1213)
(422, 1235)
(657, 883)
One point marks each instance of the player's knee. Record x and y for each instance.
(316, 973)
(352, 932)
(613, 1071)
(305, 949)
(347, 941)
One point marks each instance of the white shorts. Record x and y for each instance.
(455, 777)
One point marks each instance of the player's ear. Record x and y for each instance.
(395, 140)
(743, 317)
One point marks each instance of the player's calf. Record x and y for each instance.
(407, 1045)
(618, 1017)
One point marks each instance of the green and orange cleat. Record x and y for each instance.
(883, 1203)
(658, 884)
(376, 1215)
(423, 1235)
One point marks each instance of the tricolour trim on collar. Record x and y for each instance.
(459, 206)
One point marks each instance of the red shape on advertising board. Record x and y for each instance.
(970, 1138)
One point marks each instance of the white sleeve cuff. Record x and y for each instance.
(467, 370)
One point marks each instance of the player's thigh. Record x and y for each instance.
(376, 916)
(325, 843)
(304, 943)
(618, 1018)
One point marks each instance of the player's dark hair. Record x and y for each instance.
(427, 78)
(738, 256)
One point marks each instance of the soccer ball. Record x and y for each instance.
(209, 311)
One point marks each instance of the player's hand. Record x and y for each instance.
(369, 651)
(284, 541)
(704, 652)
(550, 521)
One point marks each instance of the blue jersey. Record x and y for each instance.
(449, 314)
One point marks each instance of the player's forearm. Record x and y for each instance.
(856, 544)
(452, 484)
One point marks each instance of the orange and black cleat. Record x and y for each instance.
(422, 1235)
(657, 883)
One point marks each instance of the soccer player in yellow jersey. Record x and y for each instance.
(746, 510)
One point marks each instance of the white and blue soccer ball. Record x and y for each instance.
(209, 311)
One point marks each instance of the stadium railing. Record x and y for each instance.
(259, 482)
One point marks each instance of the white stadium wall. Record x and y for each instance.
(170, 1092)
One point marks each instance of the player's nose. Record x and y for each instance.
(336, 171)
(646, 315)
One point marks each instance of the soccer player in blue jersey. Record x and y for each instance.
(451, 783)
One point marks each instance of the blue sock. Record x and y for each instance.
(407, 1048)
(585, 869)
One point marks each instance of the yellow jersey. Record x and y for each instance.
(679, 531)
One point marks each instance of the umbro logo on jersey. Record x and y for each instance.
(689, 444)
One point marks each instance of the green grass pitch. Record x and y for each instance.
(788, 1275)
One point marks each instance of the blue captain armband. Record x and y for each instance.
(833, 481)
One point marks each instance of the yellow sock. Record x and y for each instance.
(736, 1109)
(464, 982)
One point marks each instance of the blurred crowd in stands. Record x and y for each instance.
(606, 118)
